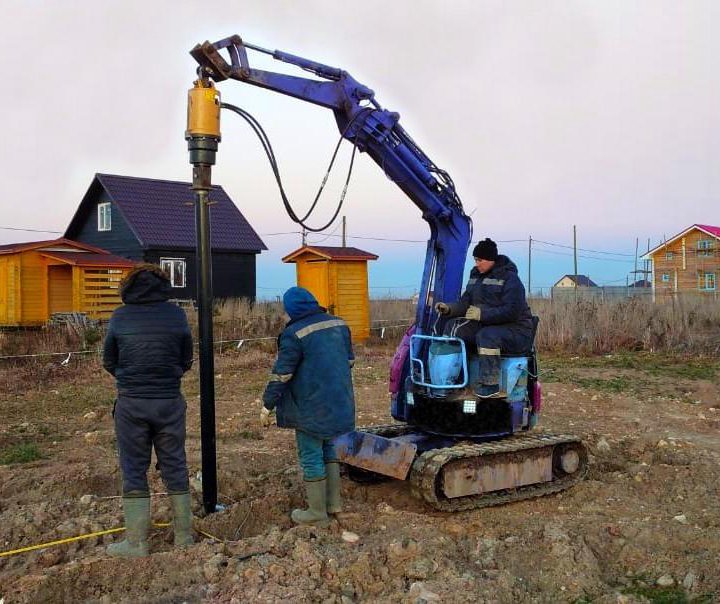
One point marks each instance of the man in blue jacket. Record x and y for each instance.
(310, 389)
(148, 348)
(497, 318)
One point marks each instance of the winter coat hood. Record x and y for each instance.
(299, 302)
(505, 264)
(144, 284)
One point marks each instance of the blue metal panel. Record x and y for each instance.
(513, 378)
(437, 375)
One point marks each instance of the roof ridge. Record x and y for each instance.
(175, 182)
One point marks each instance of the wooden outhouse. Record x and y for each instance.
(338, 278)
(42, 278)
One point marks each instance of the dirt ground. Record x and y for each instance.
(643, 526)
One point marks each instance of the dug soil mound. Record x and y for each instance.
(644, 525)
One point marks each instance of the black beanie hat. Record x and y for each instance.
(486, 250)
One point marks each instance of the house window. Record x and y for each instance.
(706, 281)
(705, 247)
(175, 267)
(668, 255)
(665, 278)
(104, 216)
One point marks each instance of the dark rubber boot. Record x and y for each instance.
(137, 525)
(334, 501)
(182, 519)
(316, 514)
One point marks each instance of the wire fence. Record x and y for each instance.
(386, 326)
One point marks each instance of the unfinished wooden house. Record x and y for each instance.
(688, 262)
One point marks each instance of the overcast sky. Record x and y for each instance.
(546, 114)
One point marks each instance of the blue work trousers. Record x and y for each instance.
(313, 454)
(144, 423)
(490, 342)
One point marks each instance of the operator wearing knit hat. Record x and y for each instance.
(486, 250)
(493, 315)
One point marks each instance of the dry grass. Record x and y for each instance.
(683, 325)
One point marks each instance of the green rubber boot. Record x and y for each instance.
(316, 514)
(334, 502)
(182, 519)
(137, 525)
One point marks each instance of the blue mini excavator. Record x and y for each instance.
(458, 451)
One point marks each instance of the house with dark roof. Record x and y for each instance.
(687, 262)
(575, 281)
(149, 220)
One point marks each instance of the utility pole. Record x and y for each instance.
(304, 237)
(529, 265)
(575, 251)
(635, 272)
(344, 226)
(575, 260)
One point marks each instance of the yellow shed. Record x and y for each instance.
(338, 278)
(41, 278)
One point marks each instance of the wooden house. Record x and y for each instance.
(41, 278)
(150, 220)
(574, 286)
(575, 281)
(687, 262)
(338, 278)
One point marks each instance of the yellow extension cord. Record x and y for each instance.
(89, 536)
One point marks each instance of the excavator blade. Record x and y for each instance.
(376, 453)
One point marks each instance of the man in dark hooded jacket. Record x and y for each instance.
(497, 318)
(148, 348)
(310, 389)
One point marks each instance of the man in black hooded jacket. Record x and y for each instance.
(497, 318)
(148, 348)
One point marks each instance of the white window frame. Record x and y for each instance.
(665, 278)
(709, 281)
(705, 247)
(169, 264)
(669, 255)
(104, 213)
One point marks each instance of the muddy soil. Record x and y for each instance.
(643, 526)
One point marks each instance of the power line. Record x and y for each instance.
(339, 225)
(4, 228)
(570, 247)
(584, 256)
(392, 240)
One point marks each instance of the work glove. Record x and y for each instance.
(474, 313)
(267, 417)
(442, 308)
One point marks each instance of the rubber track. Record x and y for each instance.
(427, 467)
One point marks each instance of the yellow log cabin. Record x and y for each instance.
(42, 278)
(687, 262)
(338, 278)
